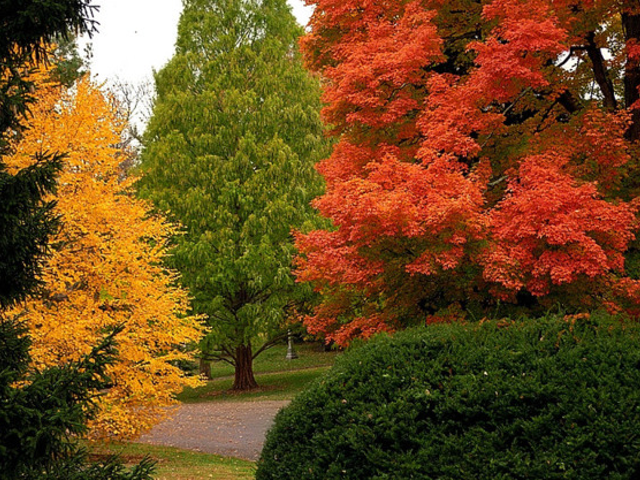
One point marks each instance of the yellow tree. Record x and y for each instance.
(105, 268)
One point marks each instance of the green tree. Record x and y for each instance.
(229, 152)
(41, 413)
(69, 63)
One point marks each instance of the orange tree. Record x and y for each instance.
(488, 152)
(105, 264)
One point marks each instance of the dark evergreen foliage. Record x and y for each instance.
(26, 27)
(537, 399)
(69, 64)
(26, 222)
(41, 413)
(40, 421)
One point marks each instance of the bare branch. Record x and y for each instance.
(269, 344)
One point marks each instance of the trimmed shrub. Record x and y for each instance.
(554, 398)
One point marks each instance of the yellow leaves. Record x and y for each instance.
(105, 267)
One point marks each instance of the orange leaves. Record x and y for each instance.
(633, 50)
(395, 200)
(481, 156)
(602, 141)
(105, 267)
(360, 327)
(458, 110)
(527, 36)
(380, 66)
(527, 33)
(328, 260)
(407, 200)
(552, 230)
(399, 198)
(452, 119)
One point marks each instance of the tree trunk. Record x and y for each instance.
(244, 379)
(205, 368)
(600, 72)
(631, 27)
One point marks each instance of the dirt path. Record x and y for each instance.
(231, 429)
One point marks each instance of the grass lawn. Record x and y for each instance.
(176, 464)
(273, 360)
(279, 378)
(273, 386)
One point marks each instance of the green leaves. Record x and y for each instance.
(230, 153)
(552, 398)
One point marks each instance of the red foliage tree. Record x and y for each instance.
(488, 150)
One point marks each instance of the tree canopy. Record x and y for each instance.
(105, 263)
(487, 154)
(229, 152)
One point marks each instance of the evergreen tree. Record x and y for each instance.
(230, 152)
(69, 64)
(27, 221)
(40, 421)
(41, 413)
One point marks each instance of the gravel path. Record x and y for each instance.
(231, 429)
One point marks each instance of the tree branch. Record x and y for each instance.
(221, 356)
(600, 72)
(268, 344)
(569, 57)
(228, 352)
(569, 102)
(226, 360)
(631, 29)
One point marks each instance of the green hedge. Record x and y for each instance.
(536, 399)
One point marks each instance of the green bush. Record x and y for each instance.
(537, 399)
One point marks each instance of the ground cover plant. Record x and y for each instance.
(554, 398)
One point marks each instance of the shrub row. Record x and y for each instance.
(553, 398)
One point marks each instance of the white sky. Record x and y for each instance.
(137, 36)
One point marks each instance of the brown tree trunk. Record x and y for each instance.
(631, 27)
(600, 72)
(205, 368)
(244, 379)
